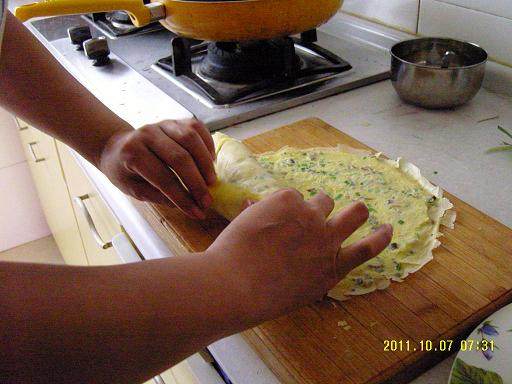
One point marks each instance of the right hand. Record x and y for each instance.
(283, 252)
(146, 163)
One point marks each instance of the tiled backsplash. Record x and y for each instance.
(487, 23)
(401, 14)
(501, 8)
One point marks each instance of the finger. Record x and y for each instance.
(322, 202)
(201, 129)
(347, 221)
(205, 135)
(190, 139)
(144, 191)
(161, 177)
(363, 250)
(176, 157)
(287, 193)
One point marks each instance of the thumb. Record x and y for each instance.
(363, 250)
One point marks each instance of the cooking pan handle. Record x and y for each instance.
(139, 13)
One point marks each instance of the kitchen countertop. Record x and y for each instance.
(451, 143)
(449, 147)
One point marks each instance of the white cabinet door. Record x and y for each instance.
(96, 222)
(44, 162)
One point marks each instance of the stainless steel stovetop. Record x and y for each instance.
(369, 61)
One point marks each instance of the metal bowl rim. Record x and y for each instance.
(483, 62)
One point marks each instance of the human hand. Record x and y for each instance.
(283, 253)
(144, 163)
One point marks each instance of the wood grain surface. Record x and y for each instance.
(343, 342)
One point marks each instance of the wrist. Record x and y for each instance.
(235, 294)
(108, 141)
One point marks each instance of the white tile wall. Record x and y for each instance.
(495, 7)
(11, 151)
(401, 14)
(21, 217)
(488, 23)
(492, 32)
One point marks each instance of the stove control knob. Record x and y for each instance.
(78, 35)
(97, 49)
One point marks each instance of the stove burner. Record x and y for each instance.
(118, 23)
(119, 19)
(232, 73)
(249, 62)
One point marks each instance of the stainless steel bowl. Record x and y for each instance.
(437, 72)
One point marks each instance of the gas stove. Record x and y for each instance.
(227, 83)
(229, 74)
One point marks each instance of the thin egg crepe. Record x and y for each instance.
(393, 190)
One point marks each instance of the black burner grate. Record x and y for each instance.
(249, 62)
(291, 72)
(112, 24)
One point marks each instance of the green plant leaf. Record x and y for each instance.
(501, 148)
(506, 132)
(467, 374)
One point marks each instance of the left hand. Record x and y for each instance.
(284, 252)
(148, 164)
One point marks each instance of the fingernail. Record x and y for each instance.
(198, 213)
(386, 227)
(206, 201)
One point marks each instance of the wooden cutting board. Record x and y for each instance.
(332, 342)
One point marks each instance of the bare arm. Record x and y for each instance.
(122, 324)
(34, 86)
(125, 324)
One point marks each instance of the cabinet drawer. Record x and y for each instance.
(96, 222)
(180, 374)
(44, 163)
(22, 125)
(29, 136)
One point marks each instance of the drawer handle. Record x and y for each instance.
(31, 146)
(79, 201)
(158, 380)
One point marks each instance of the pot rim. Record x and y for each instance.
(483, 62)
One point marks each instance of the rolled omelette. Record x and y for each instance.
(240, 177)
